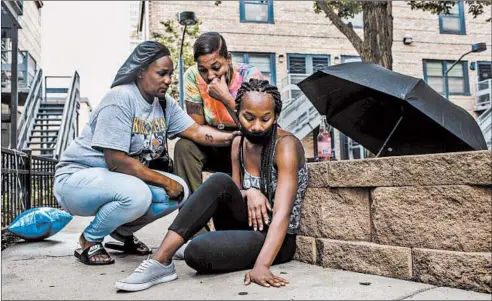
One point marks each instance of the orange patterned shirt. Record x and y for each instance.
(215, 111)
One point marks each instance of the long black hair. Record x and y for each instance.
(209, 42)
(142, 56)
(256, 85)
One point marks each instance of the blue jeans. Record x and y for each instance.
(118, 201)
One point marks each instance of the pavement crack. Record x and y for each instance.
(417, 292)
(37, 258)
(58, 256)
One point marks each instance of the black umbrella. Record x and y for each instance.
(390, 113)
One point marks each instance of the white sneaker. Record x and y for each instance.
(148, 273)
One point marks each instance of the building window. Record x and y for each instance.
(306, 63)
(454, 22)
(263, 61)
(457, 79)
(357, 21)
(256, 11)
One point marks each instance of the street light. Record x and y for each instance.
(477, 47)
(185, 18)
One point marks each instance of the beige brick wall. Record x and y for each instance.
(30, 34)
(298, 29)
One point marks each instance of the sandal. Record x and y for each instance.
(131, 245)
(85, 255)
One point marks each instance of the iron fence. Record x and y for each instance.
(27, 182)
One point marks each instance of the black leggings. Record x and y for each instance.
(234, 246)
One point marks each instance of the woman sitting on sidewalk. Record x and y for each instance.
(269, 172)
(104, 172)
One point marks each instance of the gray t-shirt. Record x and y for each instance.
(124, 121)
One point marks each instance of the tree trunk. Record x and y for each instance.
(378, 33)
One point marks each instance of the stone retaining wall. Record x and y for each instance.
(423, 218)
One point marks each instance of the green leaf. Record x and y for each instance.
(170, 35)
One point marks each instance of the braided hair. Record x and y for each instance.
(268, 150)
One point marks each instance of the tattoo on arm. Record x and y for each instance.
(194, 108)
(209, 137)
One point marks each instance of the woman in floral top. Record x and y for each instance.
(210, 90)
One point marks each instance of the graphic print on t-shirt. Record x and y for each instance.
(154, 137)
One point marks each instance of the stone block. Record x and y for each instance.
(470, 271)
(318, 174)
(305, 249)
(365, 257)
(452, 217)
(473, 168)
(338, 213)
(361, 173)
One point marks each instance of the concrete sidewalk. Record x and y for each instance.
(48, 270)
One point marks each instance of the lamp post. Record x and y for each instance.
(185, 18)
(477, 47)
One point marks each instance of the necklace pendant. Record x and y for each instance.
(221, 126)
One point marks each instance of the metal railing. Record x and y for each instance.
(484, 95)
(289, 89)
(27, 182)
(56, 86)
(299, 116)
(27, 67)
(485, 123)
(27, 119)
(293, 79)
(69, 119)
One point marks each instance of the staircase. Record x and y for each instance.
(43, 137)
(48, 124)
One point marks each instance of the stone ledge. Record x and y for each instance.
(471, 271)
(454, 217)
(473, 168)
(337, 213)
(305, 249)
(365, 257)
(361, 173)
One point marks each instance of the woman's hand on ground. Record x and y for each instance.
(261, 275)
(258, 207)
(173, 188)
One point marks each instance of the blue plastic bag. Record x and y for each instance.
(39, 223)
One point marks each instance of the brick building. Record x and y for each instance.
(288, 41)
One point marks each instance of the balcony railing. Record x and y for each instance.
(19, 6)
(485, 123)
(27, 67)
(484, 95)
(293, 79)
(289, 89)
(15, 8)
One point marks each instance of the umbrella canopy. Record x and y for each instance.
(390, 113)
